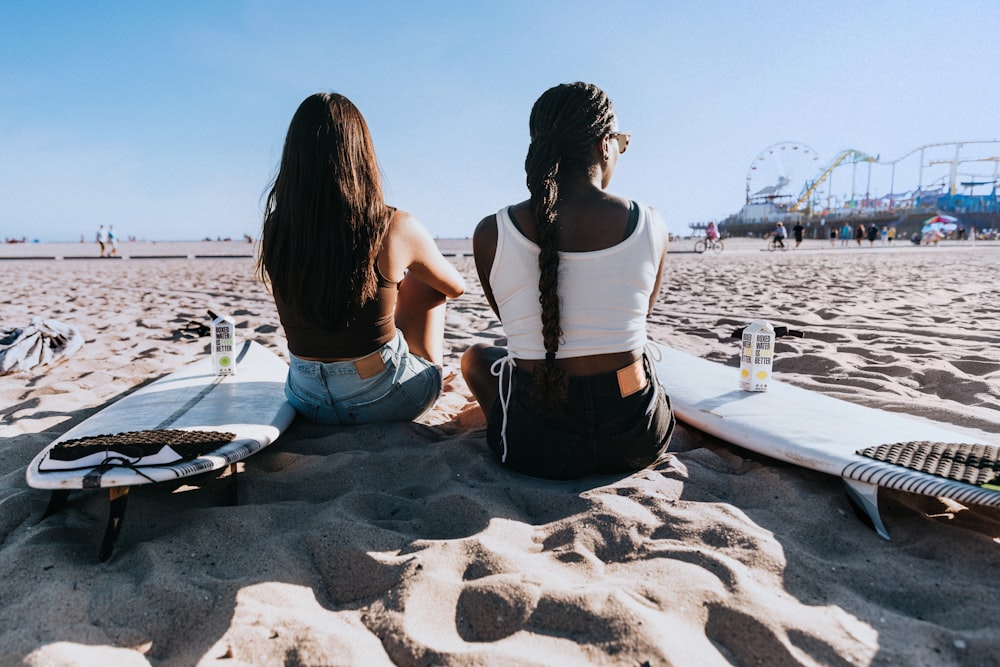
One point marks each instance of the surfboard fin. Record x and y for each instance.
(116, 515)
(56, 502)
(864, 496)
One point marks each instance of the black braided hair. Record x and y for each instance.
(565, 123)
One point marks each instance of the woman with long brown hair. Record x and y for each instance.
(573, 273)
(360, 286)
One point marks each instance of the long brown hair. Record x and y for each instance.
(565, 123)
(326, 215)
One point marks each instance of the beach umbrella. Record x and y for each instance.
(940, 223)
(943, 219)
(939, 228)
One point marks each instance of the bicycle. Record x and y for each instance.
(703, 245)
(777, 244)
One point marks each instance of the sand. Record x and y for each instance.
(408, 544)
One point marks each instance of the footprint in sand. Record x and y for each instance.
(495, 607)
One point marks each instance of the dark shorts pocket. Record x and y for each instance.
(644, 442)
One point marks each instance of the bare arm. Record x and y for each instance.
(660, 228)
(411, 248)
(484, 247)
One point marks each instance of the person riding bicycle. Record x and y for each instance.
(711, 232)
(780, 234)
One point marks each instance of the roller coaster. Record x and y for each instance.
(848, 156)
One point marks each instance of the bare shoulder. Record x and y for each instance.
(486, 229)
(408, 236)
(404, 223)
(406, 241)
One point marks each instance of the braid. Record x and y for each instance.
(565, 122)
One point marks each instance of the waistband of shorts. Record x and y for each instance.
(367, 366)
(621, 383)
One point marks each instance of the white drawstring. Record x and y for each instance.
(496, 370)
(652, 349)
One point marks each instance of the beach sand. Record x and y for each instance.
(408, 544)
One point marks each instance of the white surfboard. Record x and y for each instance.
(237, 415)
(824, 433)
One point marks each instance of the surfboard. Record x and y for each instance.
(868, 448)
(184, 424)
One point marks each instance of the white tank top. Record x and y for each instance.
(603, 294)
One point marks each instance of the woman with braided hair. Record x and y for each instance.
(573, 273)
(360, 286)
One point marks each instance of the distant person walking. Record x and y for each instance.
(859, 233)
(845, 235)
(891, 234)
(102, 239)
(113, 241)
(797, 231)
(872, 234)
(833, 236)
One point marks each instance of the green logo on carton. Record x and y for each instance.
(225, 361)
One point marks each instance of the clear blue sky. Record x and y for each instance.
(167, 119)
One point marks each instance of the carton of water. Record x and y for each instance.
(224, 345)
(756, 356)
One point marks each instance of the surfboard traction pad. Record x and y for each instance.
(978, 465)
(140, 444)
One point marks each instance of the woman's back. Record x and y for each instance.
(586, 223)
(605, 288)
(360, 287)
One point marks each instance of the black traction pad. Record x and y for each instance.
(972, 464)
(139, 444)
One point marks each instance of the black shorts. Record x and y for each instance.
(598, 432)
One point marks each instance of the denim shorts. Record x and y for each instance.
(598, 431)
(335, 392)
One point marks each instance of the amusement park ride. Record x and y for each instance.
(786, 181)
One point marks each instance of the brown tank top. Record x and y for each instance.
(374, 326)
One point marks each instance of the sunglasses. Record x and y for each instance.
(622, 138)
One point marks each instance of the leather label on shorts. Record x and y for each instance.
(369, 366)
(632, 379)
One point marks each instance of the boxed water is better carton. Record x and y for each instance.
(224, 345)
(756, 356)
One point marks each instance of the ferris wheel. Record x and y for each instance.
(781, 170)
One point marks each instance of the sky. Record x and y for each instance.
(166, 120)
